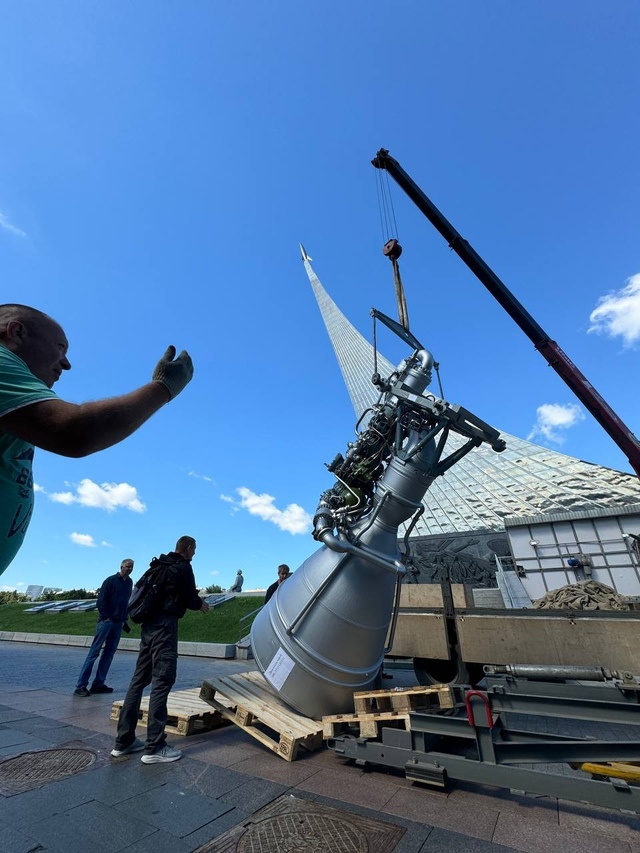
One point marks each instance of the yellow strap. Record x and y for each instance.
(616, 769)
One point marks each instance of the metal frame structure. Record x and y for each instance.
(477, 745)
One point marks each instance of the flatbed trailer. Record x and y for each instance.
(476, 741)
(451, 643)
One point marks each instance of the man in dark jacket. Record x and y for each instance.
(283, 573)
(112, 609)
(158, 659)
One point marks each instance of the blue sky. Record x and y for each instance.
(161, 162)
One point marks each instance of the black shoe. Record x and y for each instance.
(81, 691)
(101, 688)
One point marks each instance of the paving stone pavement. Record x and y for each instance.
(225, 776)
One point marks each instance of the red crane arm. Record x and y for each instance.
(554, 355)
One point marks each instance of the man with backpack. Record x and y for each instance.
(172, 592)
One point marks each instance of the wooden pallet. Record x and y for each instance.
(368, 725)
(247, 701)
(403, 699)
(187, 714)
(377, 708)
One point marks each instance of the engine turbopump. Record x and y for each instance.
(323, 635)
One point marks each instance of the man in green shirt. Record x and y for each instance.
(33, 355)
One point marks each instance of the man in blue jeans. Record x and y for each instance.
(113, 599)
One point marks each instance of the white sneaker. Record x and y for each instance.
(167, 753)
(136, 746)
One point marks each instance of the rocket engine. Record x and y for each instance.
(324, 633)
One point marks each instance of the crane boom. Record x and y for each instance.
(549, 349)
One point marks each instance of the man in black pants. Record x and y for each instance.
(158, 659)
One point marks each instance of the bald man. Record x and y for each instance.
(33, 356)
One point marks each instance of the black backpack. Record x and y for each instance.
(149, 593)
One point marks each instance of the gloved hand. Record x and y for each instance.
(174, 373)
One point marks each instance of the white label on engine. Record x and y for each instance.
(279, 668)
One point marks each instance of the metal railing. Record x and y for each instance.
(242, 622)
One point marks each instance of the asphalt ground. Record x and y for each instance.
(226, 776)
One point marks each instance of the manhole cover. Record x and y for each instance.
(303, 833)
(32, 769)
(293, 825)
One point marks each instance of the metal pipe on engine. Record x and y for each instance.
(335, 543)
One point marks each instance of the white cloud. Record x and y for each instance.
(618, 313)
(200, 476)
(108, 496)
(293, 518)
(37, 488)
(228, 499)
(7, 226)
(215, 573)
(82, 539)
(106, 544)
(553, 417)
(62, 497)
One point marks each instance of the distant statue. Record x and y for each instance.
(237, 584)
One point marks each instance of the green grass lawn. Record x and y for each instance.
(220, 625)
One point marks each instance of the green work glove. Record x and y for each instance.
(174, 373)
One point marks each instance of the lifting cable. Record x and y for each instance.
(391, 249)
